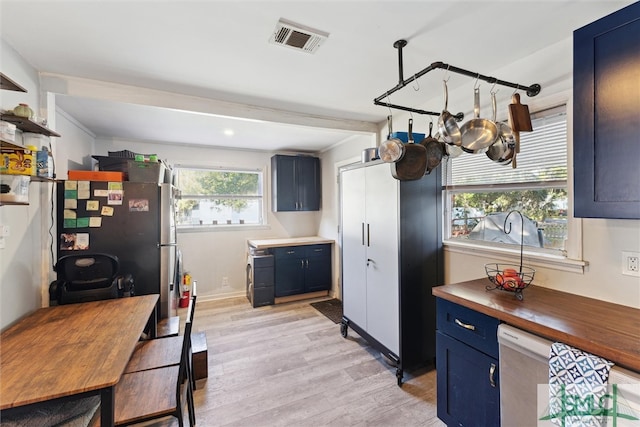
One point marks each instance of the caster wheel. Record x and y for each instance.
(399, 376)
(343, 330)
(519, 296)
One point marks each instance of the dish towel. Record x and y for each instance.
(577, 387)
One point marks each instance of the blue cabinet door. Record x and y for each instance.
(467, 384)
(317, 274)
(289, 276)
(308, 169)
(605, 119)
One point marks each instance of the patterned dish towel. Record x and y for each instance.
(577, 387)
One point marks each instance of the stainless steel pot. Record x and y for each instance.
(369, 154)
(503, 150)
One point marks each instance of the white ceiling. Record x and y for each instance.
(218, 51)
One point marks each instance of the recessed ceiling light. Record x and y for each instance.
(228, 132)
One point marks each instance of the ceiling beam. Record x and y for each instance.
(96, 89)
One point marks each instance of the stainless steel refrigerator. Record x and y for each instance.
(133, 221)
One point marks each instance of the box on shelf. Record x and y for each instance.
(79, 175)
(7, 131)
(135, 171)
(17, 161)
(44, 163)
(15, 188)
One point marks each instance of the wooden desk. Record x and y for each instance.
(72, 349)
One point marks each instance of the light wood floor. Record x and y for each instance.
(288, 365)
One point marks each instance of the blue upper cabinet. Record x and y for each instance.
(606, 106)
(295, 182)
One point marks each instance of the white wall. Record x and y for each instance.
(22, 257)
(211, 256)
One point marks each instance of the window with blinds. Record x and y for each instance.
(542, 157)
(480, 193)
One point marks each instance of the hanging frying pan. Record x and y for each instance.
(434, 151)
(447, 122)
(413, 164)
(478, 134)
(391, 150)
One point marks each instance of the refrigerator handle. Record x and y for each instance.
(166, 245)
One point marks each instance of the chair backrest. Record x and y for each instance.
(191, 314)
(186, 347)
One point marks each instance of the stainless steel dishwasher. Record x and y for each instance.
(524, 363)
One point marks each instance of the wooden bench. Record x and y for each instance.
(199, 355)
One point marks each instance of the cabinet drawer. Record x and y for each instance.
(317, 250)
(262, 261)
(471, 327)
(288, 252)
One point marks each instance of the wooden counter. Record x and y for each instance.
(291, 241)
(605, 329)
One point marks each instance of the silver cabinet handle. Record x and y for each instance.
(492, 375)
(307, 263)
(363, 234)
(301, 263)
(465, 325)
(291, 252)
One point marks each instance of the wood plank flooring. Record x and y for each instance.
(288, 365)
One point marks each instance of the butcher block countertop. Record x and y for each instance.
(605, 329)
(291, 241)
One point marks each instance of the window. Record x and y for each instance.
(215, 197)
(480, 193)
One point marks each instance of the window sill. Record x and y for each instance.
(539, 259)
(220, 227)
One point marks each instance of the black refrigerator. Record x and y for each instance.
(134, 221)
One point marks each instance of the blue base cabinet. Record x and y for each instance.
(302, 269)
(468, 384)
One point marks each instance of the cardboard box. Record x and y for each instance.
(135, 171)
(17, 161)
(76, 175)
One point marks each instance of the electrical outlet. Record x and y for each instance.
(631, 263)
(225, 282)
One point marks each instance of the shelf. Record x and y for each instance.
(32, 177)
(27, 125)
(7, 144)
(13, 203)
(7, 84)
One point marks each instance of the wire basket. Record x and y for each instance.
(509, 277)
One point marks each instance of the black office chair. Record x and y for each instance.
(89, 277)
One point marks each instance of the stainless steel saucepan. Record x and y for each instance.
(391, 150)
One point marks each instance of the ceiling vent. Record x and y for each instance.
(297, 36)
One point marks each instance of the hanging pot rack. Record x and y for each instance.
(531, 91)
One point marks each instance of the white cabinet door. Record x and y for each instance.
(354, 274)
(383, 311)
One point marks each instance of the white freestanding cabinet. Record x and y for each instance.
(391, 257)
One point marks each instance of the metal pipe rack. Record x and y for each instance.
(531, 90)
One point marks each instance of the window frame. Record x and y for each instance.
(223, 226)
(570, 259)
